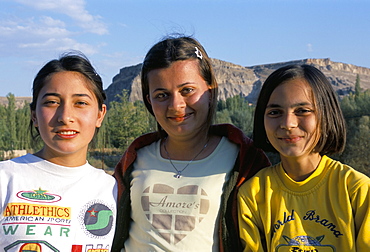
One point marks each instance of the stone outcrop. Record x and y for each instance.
(247, 81)
(19, 101)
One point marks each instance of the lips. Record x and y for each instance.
(291, 139)
(180, 118)
(67, 134)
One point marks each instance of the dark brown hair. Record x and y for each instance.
(170, 50)
(72, 61)
(331, 122)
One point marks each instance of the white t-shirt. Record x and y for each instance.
(178, 214)
(48, 207)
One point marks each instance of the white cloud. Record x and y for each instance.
(20, 37)
(309, 47)
(61, 45)
(75, 9)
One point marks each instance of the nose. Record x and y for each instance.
(176, 102)
(65, 114)
(289, 121)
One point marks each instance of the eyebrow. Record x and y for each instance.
(273, 105)
(178, 86)
(58, 95)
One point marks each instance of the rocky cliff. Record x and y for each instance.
(246, 81)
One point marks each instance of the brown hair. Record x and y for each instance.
(331, 122)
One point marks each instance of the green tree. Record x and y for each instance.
(126, 121)
(10, 134)
(358, 85)
(3, 127)
(22, 116)
(237, 111)
(358, 145)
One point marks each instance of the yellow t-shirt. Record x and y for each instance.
(327, 212)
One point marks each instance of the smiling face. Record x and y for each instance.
(290, 119)
(180, 98)
(67, 114)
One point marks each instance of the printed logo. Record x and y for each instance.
(174, 213)
(35, 210)
(97, 219)
(89, 248)
(31, 246)
(39, 195)
(304, 243)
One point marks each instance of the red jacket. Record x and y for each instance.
(250, 160)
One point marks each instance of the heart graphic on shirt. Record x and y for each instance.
(174, 213)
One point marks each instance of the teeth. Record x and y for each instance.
(67, 132)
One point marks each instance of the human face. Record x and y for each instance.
(180, 98)
(290, 119)
(67, 114)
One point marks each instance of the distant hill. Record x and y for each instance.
(19, 101)
(246, 81)
(239, 80)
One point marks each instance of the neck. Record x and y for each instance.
(301, 168)
(68, 160)
(185, 149)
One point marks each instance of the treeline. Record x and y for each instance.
(127, 120)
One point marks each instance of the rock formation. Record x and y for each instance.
(247, 81)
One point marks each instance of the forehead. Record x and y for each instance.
(293, 91)
(177, 73)
(67, 82)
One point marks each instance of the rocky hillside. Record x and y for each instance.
(19, 101)
(235, 79)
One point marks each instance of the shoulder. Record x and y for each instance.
(144, 140)
(234, 134)
(130, 155)
(100, 173)
(263, 179)
(347, 174)
(16, 162)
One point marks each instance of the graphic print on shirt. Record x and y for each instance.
(304, 244)
(175, 212)
(97, 219)
(30, 246)
(36, 218)
(39, 196)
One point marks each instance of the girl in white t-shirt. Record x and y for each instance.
(177, 186)
(53, 200)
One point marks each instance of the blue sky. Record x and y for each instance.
(118, 33)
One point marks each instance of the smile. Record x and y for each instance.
(70, 132)
(291, 139)
(180, 118)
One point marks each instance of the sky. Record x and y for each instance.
(117, 33)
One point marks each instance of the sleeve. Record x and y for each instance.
(361, 209)
(249, 224)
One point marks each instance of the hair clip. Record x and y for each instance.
(198, 53)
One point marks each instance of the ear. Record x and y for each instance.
(34, 118)
(148, 99)
(101, 115)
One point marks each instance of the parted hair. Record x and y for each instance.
(70, 61)
(331, 123)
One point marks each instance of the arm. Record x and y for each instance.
(361, 210)
(249, 225)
